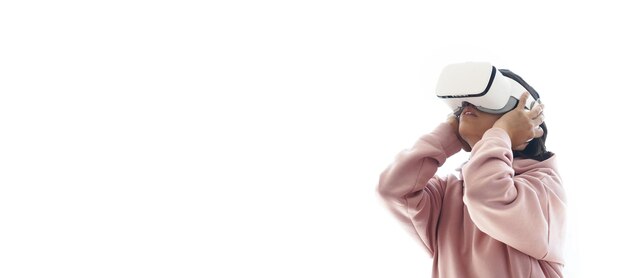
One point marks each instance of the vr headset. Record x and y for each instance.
(482, 85)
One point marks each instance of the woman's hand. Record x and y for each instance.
(522, 125)
(453, 120)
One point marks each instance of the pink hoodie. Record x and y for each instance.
(504, 217)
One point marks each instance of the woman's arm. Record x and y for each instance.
(410, 188)
(526, 210)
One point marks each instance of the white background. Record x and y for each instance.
(245, 138)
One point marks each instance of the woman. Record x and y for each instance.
(504, 216)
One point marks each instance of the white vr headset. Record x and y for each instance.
(482, 85)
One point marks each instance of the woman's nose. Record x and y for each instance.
(465, 104)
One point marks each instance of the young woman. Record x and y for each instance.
(504, 215)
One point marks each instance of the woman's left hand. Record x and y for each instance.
(522, 125)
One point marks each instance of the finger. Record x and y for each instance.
(537, 121)
(522, 101)
(536, 111)
(538, 132)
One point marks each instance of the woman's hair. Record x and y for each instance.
(536, 149)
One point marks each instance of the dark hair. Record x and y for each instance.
(536, 149)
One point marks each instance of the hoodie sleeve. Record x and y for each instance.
(410, 188)
(525, 211)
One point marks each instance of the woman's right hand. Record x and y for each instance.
(522, 125)
(453, 120)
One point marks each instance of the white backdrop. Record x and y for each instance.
(245, 138)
